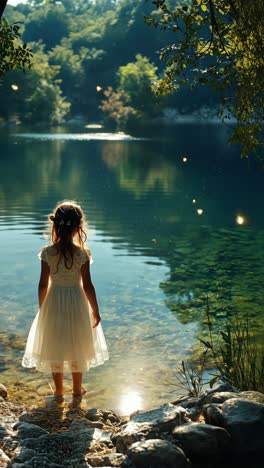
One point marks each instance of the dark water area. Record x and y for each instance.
(175, 217)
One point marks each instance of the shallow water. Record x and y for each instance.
(156, 258)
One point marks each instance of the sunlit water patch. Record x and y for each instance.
(100, 136)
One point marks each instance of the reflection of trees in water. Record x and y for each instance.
(140, 171)
(225, 265)
(28, 171)
(106, 177)
(134, 192)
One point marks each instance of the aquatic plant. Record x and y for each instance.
(237, 356)
(189, 378)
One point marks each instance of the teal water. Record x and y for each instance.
(163, 214)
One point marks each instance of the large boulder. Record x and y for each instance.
(166, 416)
(149, 425)
(252, 396)
(244, 420)
(202, 440)
(157, 453)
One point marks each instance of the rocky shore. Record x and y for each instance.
(222, 427)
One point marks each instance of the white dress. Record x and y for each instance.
(61, 338)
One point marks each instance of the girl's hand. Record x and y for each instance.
(97, 319)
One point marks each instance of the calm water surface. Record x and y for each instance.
(156, 258)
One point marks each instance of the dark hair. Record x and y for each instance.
(67, 218)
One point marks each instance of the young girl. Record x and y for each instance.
(66, 334)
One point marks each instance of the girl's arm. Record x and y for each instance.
(43, 282)
(90, 292)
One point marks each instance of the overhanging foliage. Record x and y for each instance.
(221, 43)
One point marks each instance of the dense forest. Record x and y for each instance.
(93, 58)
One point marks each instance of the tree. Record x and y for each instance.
(49, 23)
(135, 80)
(116, 108)
(221, 43)
(38, 96)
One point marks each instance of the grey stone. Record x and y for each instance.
(28, 430)
(244, 420)
(3, 391)
(148, 425)
(86, 433)
(252, 396)
(76, 461)
(24, 454)
(97, 424)
(202, 440)
(80, 424)
(165, 416)
(38, 461)
(224, 387)
(111, 416)
(94, 414)
(3, 432)
(193, 413)
(212, 414)
(110, 459)
(192, 402)
(133, 432)
(220, 397)
(157, 453)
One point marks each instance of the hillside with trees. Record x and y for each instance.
(97, 59)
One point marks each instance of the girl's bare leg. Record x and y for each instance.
(58, 381)
(77, 383)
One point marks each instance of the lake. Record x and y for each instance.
(175, 218)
